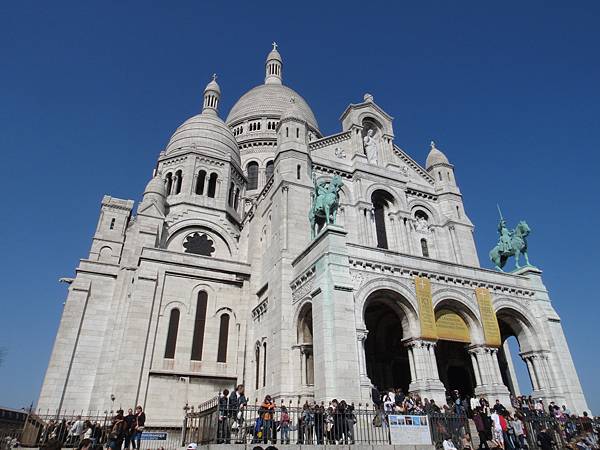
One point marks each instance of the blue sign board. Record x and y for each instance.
(151, 436)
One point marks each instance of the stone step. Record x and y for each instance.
(474, 434)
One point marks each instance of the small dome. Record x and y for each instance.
(156, 186)
(435, 157)
(213, 85)
(274, 55)
(269, 100)
(207, 133)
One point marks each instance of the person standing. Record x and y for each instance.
(237, 407)
(223, 425)
(266, 412)
(285, 425)
(140, 424)
(481, 427)
(130, 434)
(117, 431)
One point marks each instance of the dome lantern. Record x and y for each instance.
(212, 94)
(435, 157)
(273, 67)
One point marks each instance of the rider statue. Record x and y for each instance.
(510, 243)
(325, 202)
(504, 243)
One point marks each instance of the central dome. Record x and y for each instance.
(269, 100)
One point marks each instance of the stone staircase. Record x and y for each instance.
(474, 435)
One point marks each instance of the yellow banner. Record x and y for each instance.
(426, 317)
(491, 330)
(451, 327)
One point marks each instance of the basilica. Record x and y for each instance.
(216, 277)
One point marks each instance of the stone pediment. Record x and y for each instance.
(150, 209)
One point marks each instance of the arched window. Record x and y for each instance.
(298, 169)
(257, 367)
(230, 195)
(200, 182)
(424, 248)
(169, 183)
(199, 325)
(440, 175)
(113, 220)
(178, 181)
(172, 334)
(269, 169)
(458, 211)
(223, 337)
(264, 380)
(212, 185)
(297, 133)
(252, 170)
(236, 200)
(382, 201)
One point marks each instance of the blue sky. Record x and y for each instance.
(91, 91)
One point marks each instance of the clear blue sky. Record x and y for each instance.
(91, 91)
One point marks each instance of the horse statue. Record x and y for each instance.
(511, 243)
(325, 202)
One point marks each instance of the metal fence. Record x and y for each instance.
(562, 430)
(315, 425)
(40, 428)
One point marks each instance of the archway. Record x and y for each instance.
(386, 357)
(516, 339)
(382, 203)
(305, 342)
(453, 360)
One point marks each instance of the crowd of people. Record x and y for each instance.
(526, 421)
(123, 432)
(314, 423)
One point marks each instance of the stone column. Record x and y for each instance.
(490, 384)
(365, 381)
(423, 368)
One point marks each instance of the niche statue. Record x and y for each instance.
(325, 202)
(371, 147)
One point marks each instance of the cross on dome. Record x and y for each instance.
(214, 76)
(274, 44)
(432, 144)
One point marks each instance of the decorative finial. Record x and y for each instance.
(214, 77)
(274, 44)
(432, 144)
(368, 97)
(292, 100)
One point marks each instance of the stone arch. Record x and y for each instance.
(169, 305)
(105, 253)
(406, 304)
(461, 304)
(398, 201)
(179, 231)
(211, 305)
(225, 310)
(516, 321)
(386, 317)
(418, 204)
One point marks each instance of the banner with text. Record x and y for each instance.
(426, 316)
(491, 330)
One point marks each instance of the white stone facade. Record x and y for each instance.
(225, 219)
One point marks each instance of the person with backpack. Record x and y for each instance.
(266, 413)
(117, 431)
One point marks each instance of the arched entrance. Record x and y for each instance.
(516, 339)
(386, 356)
(305, 342)
(454, 363)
